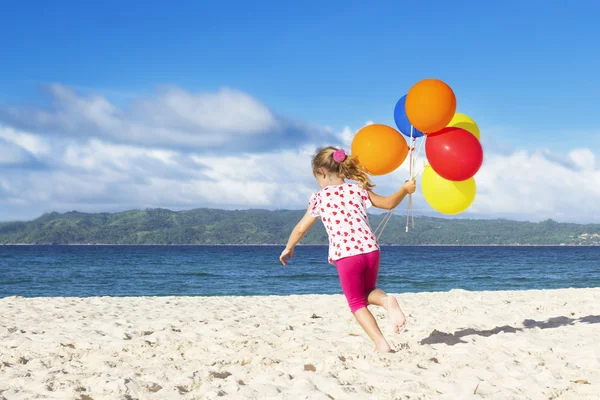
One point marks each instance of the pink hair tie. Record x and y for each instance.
(339, 155)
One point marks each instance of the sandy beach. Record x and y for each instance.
(458, 345)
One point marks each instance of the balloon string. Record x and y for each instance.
(384, 221)
(408, 212)
(386, 218)
(421, 170)
(411, 168)
(410, 200)
(411, 150)
(412, 211)
(419, 151)
(413, 161)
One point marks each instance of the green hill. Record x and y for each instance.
(209, 226)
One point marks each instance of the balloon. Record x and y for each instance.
(454, 153)
(402, 121)
(465, 122)
(446, 196)
(430, 105)
(379, 148)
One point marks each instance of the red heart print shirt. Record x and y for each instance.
(343, 210)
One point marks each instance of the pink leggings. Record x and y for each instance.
(358, 277)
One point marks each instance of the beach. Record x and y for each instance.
(538, 344)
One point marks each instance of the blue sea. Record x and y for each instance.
(83, 271)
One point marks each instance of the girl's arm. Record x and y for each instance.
(297, 234)
(390, 202)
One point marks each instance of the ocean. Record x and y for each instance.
(82, 271)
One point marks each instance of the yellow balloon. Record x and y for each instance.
(447, 197)
(465, 122)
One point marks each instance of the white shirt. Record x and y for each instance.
(343, 210)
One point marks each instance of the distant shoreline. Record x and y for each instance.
(203, 227)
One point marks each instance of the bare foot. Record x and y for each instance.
(396, 314)
(382, 347)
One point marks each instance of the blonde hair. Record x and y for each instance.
(350, 168)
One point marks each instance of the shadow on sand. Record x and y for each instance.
(437, 337)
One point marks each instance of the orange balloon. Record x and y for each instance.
(430, 105)
(379, 148)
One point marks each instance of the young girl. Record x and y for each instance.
(353, 249)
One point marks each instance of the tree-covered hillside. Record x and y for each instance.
(209, 226)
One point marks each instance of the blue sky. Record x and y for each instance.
(525, 70)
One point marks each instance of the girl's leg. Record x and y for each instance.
(369, 324)
(395, 312)
(379, 297)
(352, 273)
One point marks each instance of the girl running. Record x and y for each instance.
(353, 248)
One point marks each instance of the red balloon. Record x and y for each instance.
(454, 153)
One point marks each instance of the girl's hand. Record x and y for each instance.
(410, 186)
(286, 253)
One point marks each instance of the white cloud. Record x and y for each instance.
(346, 136)
(13, 155)
(83, 164)
(99, 176)
(583, 159)
(534, 185)
(32, 143)
(226, 111)
(173, 118)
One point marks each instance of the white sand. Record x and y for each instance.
(274, 348)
